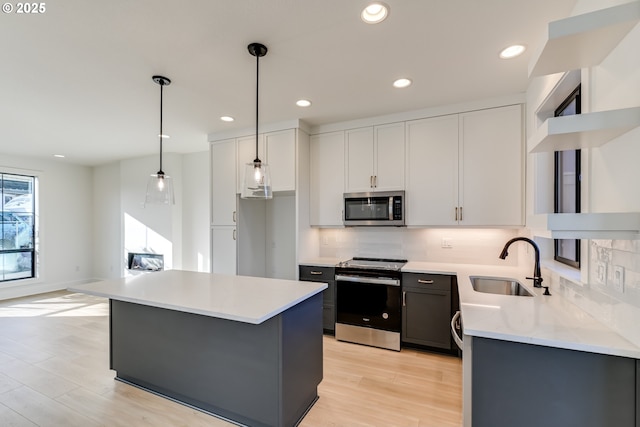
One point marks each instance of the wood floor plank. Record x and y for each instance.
(54, 371)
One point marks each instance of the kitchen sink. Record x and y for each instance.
(497, 285)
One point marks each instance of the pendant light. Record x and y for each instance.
(257, 178)
(160, 186)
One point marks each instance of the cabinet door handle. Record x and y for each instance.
(404, 298)
(234, 216)
(456, 213)
(316, 273)
(234, 234)
(375, 181)
(426, 282)
(371, 181)
(460, 213)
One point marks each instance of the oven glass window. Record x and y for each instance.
(366, 208)
(374, 306)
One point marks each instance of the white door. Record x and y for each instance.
(359, 153)
(492, 182)
(327, 179)
(223, 182)
(281, 158)
(223, 250)
(432, 171)
(389, 157)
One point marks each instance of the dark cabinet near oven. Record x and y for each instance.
(428, 302)
(327, 275)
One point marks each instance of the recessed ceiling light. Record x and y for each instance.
(303, 103)
(227, 118)
(375, 13)
(512, 51)
(400, 83)
(60, 156)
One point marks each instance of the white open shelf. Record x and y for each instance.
(583, 130)
(625, 226)
(583, 40)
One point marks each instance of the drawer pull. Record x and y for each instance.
(316, 273)
(426, 282)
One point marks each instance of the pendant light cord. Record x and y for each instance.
(257, 160)
(161, 88)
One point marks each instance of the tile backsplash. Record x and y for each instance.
(470, 246)
(614, 269)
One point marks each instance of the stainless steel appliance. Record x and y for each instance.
(384, 208)
(369, 302)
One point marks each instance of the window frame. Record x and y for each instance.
(34, 246)
(574, 96)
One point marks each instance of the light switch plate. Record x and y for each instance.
(446, 242)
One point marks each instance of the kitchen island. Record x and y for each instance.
(246, 349)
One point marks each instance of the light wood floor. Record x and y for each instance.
(54, 371)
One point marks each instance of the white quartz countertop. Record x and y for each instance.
(240, 298)
(553, 321)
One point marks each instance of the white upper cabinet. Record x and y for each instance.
(375, 158)
(327, 179)
(223, 182)
(359, 154)
(389, 158)
(281, 158)
(247, 154)
(432, 171)
(466, 169)
(492, 179)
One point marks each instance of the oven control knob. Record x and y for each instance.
(385, 316)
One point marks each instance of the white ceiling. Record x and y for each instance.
(76, 80)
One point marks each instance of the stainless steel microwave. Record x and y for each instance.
(384, 208)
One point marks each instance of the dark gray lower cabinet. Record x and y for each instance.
(426, 309)
(526, 385)
(327, 275)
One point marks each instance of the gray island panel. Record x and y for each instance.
(255, 374)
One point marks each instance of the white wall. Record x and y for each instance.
(107, 222)
(124, 224)
(65, 224)
(195, 212)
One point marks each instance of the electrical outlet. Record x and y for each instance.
(618, 278)
(325, 240)
(446, 242)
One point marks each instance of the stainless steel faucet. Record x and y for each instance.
(537, 276)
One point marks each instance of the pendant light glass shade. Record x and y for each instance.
(160, 185)
(257, 181)
(159, 190)
(257, 176)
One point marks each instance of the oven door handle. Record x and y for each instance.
(369, 280)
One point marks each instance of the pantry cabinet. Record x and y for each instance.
(223, 183)
(466, 169)
(375, 158)
(239, 228)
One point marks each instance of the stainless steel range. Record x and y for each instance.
(368, 302)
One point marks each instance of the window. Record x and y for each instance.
(17, 246)
(567, 185)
